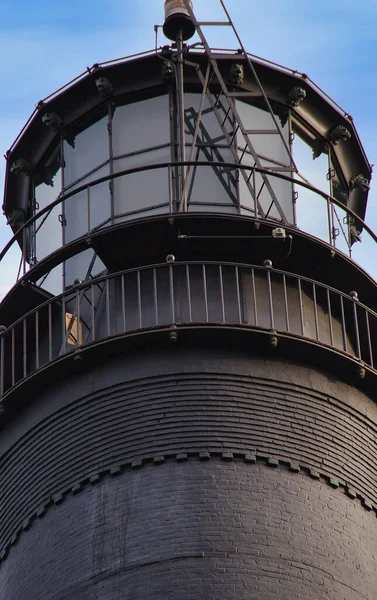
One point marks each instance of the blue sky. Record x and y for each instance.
(43, 44)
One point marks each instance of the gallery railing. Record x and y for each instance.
(174, 295)
(323, 217)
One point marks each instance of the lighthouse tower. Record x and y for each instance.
(187, 366)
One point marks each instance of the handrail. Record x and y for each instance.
(164, 295)
(172, 164)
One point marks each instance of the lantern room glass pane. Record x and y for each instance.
(90, 208)
(88, 151)
(275, 196)
(48, 228)
(141, 126)
(212, 188)
(135, 193)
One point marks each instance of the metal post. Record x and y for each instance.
(181, 122)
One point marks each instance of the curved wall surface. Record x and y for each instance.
(191, 473)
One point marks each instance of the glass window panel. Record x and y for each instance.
(52, 282)
(91, 149)
(81, 266)
(48, 229)
(9, 267)
(86, 211)
(209, 185)
(141, 125)
(136, 192)
(48, 233)
(272, 154)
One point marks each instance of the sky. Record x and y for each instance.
(44, 44)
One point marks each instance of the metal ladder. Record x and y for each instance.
(231, 113)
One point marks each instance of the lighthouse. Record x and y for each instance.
(187, 373)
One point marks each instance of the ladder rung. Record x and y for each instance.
(262, 131)
(214, 23)
(249, 94)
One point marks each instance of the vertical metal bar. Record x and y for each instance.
(78, 321)
(330, 317)
(254, 297)
(240, 320)
(188, 281)
(270, 300)
(37, 363)
(222, 293)
(2, 364)
(50, 338)
(286, 303)
(64, 327)
(13, 355)
(170, 187)
(93, 312)
(123, 301)
(344, 329)
(205, 289)
(24, 250)
(181, 120)
(329, 221)
(371, 361)
(256, 209)
(24, 347)
(301, 306)
(171, 290)
(357, 332)
(315, 311)
(110, 113)
(88, 206)
(139, 300)
(155, 296)
(108, 316)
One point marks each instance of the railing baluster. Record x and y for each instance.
(222, 293)
(24, 347)
(37, 349)
(93, 312)
(205, 294)
(344, 328)
(155, 295)
(171, 290)
(64, 326)
(357, 332)
(108, 314)
(301, 307)
(78, 320)
(2, 364)
(254, 297)
(240, 319)
(330, 317)
(123, 301)
(189, 292)
(13, 357)
(270, 300)
(371, 361)
(286, 302)
(50, 338)
(315, 311)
